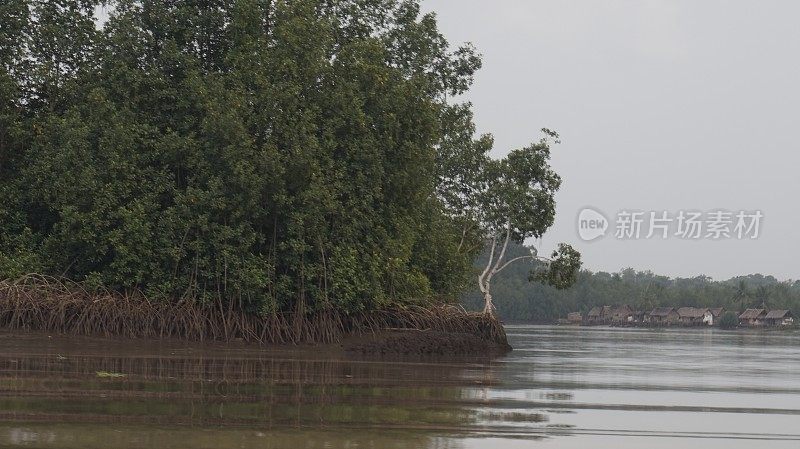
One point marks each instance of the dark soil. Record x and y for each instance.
(424, 342)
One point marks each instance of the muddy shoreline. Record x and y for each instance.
(423, 342)
(430, 345)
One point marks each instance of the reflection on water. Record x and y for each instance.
(561, 387)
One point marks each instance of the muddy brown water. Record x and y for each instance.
(561, 387)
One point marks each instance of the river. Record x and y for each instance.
(562, 387)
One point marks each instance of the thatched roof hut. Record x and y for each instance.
(779, 318)
(778, 314)
(623, 313)
(753, 317)
(691, 312)
(596, 312)
(662, 311)
(662, 315)
(717, 312)
(753, 314)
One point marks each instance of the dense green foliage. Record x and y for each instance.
(281, 154)
(519, 300)
(500, 201)
(729, 320)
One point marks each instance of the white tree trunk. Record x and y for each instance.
(488, 307)
(494, 266)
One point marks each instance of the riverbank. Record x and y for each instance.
(48, 305)
(626, 316)
(423, 342)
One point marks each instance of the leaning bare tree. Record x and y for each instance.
(502, 201)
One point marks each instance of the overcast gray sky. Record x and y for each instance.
(661, 105)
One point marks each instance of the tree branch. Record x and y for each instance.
(505, 246)
(502, 253)
(514, 260)
(488, 265)
(463, 236)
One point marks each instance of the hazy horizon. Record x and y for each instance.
(660, 106)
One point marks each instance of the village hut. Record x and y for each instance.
(716, 314)
(779, 318)
(694, 316)
(663, 315)
(622, 314)
(574, 318)
(599, 315)
(708, 317)
(595, 315)
(753, 317)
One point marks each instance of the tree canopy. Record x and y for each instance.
(283, 154)
(502, 201)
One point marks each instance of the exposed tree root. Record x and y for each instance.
(46, 304)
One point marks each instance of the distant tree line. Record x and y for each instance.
(517, 299)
